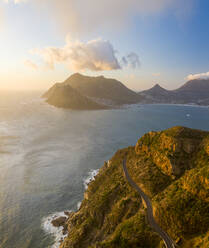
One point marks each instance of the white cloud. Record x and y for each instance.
(131, 60)
(30, 64)
(95, 55)
(204, 75)
(1, 17)
(20, 1)
(15, 1)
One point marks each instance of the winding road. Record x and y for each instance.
(169, 243)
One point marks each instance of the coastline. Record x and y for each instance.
(179, 104)
(58, 232)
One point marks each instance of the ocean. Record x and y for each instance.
(48, 155)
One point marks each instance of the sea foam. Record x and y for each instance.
(57, 232)
(91, 176)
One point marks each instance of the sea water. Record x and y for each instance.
(48, 156)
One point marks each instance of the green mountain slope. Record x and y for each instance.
(172, 168)
(99, 91)
(67, 97)
(103, 88)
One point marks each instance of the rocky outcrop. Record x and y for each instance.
(170, 150)
(59, 221)
(172, 168)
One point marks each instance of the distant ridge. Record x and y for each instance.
(84, 92)
(195, 90)
(157, 93)
(192, 92)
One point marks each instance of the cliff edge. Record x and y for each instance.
(172, 168)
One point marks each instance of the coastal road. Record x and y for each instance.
(169, 243)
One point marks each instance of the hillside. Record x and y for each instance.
(194, 91)
(64, 96)
(172, 168)
(158, 94)
(101, 93)
(103, 88)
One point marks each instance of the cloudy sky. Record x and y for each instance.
(140, 42)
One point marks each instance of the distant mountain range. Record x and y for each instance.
(192, 92)
(84, 92)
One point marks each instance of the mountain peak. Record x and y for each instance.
(157, 86)
(77, 74)
(196, 85)
(157, 89)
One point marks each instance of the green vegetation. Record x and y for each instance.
(172, 167)
(103, 88)
(64, 96)
(82, 92)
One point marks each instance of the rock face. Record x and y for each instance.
(172, 167)
(194, 91)
(170, 152)
(82, 92)
(59, 221)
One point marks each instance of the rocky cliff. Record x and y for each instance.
(172, 167)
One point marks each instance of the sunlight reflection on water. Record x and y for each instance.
(47, 153)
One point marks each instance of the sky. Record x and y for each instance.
(139, 42)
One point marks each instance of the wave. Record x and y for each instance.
(91, 176)
(57, 232)
(78, 205)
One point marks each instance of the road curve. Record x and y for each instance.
(169, 243)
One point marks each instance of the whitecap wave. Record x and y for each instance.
(57, 232)
(78, 205)
(91, 177)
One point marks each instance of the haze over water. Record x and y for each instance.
(46, 152)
